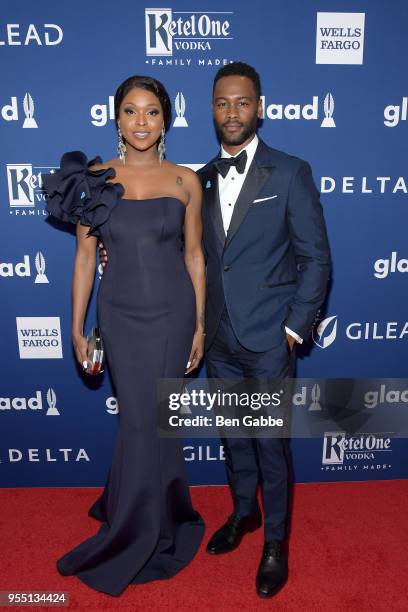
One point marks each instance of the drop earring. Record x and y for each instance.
(121, 147)
(162, 147)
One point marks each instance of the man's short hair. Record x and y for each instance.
(240, 69)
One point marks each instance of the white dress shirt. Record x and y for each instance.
(229, 189)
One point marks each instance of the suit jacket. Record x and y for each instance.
(272, 269)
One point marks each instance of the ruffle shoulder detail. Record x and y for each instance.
(76, 193)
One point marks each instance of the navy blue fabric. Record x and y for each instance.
(254, 461)
(147, 316)
(273, 267)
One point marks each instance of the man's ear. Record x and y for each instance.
(260, 108)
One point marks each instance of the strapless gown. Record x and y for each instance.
(146, 312)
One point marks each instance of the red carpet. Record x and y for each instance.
(349, 552)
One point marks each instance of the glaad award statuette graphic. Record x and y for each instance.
(328, 121)
(28, 106)
(40, 267)
(315, 405)
(180, 106)
(52, 401)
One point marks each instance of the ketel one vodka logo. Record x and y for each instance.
(25, 188)
(167, 30)
(10, 112)
(180, 106)
(31, 403)
(339, 447)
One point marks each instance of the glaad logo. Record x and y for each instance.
(28, 106)
(112, 405)
(52, 403)
(185, 33)
(325, 333)
(340, 450)
(328, 105)
(297, 111)
(39, 337)
(180, 106)
(384, 395)
(300, 398)
(49, 34)
(384, 267)
(394, 114)
(100, 113)
(23, 268)
(32, 403)
(40, 267)
(9, 112)
(340, 38)
(315, 405)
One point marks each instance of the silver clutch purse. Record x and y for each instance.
(95, 352)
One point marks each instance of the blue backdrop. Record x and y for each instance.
(335, 94)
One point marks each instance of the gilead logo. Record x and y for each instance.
(14, 34)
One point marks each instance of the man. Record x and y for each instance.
(268, 264)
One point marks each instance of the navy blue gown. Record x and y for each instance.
(146, 312)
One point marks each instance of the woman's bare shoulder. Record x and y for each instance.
(184, 175)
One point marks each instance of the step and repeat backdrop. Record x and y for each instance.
(334, 92)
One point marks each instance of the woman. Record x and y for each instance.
(151, 312)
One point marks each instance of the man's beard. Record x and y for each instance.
(237, 139)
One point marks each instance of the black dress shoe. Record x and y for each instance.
(273, 569)
(229, 536)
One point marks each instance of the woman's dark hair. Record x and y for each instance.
(150, 84)
(240, 69)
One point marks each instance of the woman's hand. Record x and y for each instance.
(80, 344)
(197, 351)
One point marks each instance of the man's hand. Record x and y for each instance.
(291, 341)
(103, 256)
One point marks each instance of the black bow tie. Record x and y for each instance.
(223, 164)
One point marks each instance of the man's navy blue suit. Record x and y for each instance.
(270, 271)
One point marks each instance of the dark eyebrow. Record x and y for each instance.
(235, 97)
(152, 104)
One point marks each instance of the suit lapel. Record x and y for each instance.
(212, 203)
(259, 172)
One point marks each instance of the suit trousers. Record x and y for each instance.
(253, 461)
